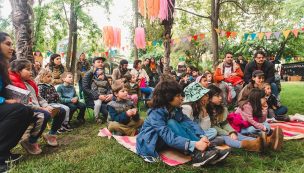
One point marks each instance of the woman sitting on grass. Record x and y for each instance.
(167, 126)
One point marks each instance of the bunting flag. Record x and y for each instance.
(253, 35)
(49, 53)
(246, 36)
(195, 37)
(202, 36)
(260, 35)
(233, 34)
(177, 40)
(223, 33)
(217, 30)
(184, 39)
(277, 34)
(189, 38)
(228, 34)
(62, 54)
(268, 35)
(286, 33)
(295, 32)
(149, 43)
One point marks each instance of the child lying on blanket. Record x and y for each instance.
(167, 126)
(124, 118)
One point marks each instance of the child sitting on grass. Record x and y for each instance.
(167, 126)
(276, 110)
(124, 118)
(69, 97)
(49, 93)
(250, 119)
(131, 84)
(20, 75)
(102, 85)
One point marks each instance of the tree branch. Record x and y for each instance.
(238, 5)
(206, 17)
(66, 17)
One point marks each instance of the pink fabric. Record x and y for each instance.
(142, 83)
(291, 130)
(112, 36)
(134, 98)
(236, 121)
(165, 9)
(140, 40)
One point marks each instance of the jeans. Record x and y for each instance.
(236, 143)
(274, 89)
(67, 111)
(253, 130)
(57, 119)
(281, 110)
(73, 107)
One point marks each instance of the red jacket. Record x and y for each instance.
(219, 76)
(17, 81)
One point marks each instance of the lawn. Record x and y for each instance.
(83, 151)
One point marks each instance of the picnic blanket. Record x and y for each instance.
(170, 157)
(291, 130)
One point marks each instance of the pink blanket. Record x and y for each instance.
(291, 130)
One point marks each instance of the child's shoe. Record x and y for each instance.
(221, 155)
(50, 140)
(66, 127)
(31, 148)
(253, 145)
(201, 158)
(61, 130)
(275, 140)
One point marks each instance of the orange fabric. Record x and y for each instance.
(218, 76)
(141, 7)
(153, 7)
(111, 36)
(152, 66)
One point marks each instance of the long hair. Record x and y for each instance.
(164, 93)
(3, 62)
(213, 109)
(254, 99)
(52, 64)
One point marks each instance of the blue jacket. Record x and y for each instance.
(66, 93)
(155, 132)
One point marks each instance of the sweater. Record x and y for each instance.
(48, 92)
(66, 93)
(117, 111)
(267, 67)
(220, 123)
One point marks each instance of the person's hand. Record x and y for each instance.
(48, 109)
(206, 140)
(201, 145)
(233, 136)
(74, 100)
(134, 110)
(109, 97)
(11, 101)
(102, 97)
(130, 113)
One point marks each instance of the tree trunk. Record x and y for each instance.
(22, 15)
(136, 25)
(167, 38)
(71, 26)
(215, 9)
(74, 50)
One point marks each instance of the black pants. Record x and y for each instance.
(14, 119)
(57, 120)
(73, 107)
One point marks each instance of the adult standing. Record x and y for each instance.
(89, 94)
(143, 78)
(228, 76)
(14, 117)
(120, 71)
(57, 69)
(82, 67)
(260, 63)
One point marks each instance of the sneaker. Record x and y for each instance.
(66, 127)
(149, 159)
(13, 158)
(61, 130)
(50, 140)
(98, 120)
(221, 155)
(201, 158)
(31, 148)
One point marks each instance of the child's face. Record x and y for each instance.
(185, 78)
(259, 80)
(205, 99)
(57, 61)
(216, 99)
(122, 94)
(47, 78)
(133, 79)
(177, 101)
(204, 82)
(26, 73)
(209, 77)
(194, 73)
(267, 90)
(68, 79)
(263, 102)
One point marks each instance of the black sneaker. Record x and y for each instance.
(12, 158)
(66, 127)
(61, 130)
(201, 158)
(221, 155)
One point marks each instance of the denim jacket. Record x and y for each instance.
(155, 132)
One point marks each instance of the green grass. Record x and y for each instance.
(83, 151)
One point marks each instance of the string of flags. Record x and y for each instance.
(259, 35)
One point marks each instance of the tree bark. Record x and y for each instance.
(74, 50)
(70, 40)
(22, 15)
(136, 25)
(215, 10)
(167, 37)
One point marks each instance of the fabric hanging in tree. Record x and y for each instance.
(142, 7)
(165, 9)
(153, 7)
(112, 36)
(140, 40)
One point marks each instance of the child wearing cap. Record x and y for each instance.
(124, 118)
(167, 126)
(256, 81)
